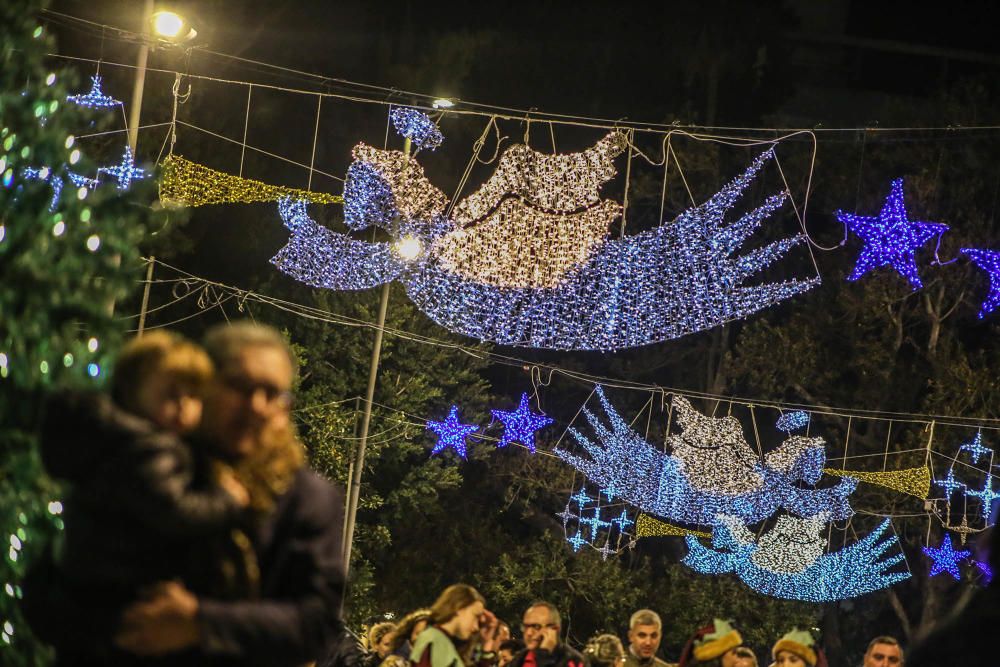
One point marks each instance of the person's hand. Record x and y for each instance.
(488, 629)
(232, 486)
(164, 621)
(550, 638)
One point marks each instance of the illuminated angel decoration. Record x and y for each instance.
(711, 470)
(527, 259)
(789, 561)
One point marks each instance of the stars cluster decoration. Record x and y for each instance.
(589, 522)
(979, 518)
(891, 238)
(519, 426)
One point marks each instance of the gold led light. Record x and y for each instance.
(913, 481)
(191, 184)
(647, 526)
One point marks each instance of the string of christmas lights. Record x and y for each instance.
(417, 127)
(191, 184)
(125, 171)
(788, 561)
(95, 97)
(647, 526)
(451, 433)
(711, 471)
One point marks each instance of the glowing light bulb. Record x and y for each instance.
(93, 370)
(408, 247)
(93, 242)
(167, 24)
(59, 228)
(92, 345)
(55, 507)
(50, 79)
(443, 103)
(70, 140)
(74, 157)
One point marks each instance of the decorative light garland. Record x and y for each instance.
(521, 424)
(125, 171)
(711, 471)
(95, 97)
(451, 433)
(945, 558)
(417, 127)
(191, 184)
(912, 481)
(792, 421)
(989, 261)
(890, 239)
(785, 563)
(588, 516)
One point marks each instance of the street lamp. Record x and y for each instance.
(172, 27)
(443, 103)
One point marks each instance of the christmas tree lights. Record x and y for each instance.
(95, 97)
(711, 471)
(891, 239)
(945, 558)
(417, 127)
(989, 261)
(521, 425)
(451, 433)
(787, 562)
(188, 183)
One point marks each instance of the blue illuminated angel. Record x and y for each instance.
(527, 259)
(788, 561)
(711, 470)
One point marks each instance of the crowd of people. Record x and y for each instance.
(458, 631)
(196, 534)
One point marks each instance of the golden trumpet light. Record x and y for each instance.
(408, 247)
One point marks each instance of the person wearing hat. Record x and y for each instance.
(717, 645)
(604, 651)
(797, 649)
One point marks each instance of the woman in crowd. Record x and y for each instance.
(717, 645)
(604, 651)
(457, 617)
(797, 649)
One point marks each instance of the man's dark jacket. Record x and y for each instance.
(561, 656)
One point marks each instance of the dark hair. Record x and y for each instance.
(515, 646)
(453, 599)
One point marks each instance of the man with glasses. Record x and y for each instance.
(297, 535)
(645, 632)
(541, 625)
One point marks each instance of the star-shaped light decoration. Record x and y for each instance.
(95, 97)
(945, 558)
(581, 498)
(986, 497)
(610, 491)
(576, 541)
(622, 521)
(125, 172)
(520, 425)
(606, 550)
(949, 483)
(891, 239)
(567, 516)
(989, 261)
(595, 522)
(976, 447)
(451, 433)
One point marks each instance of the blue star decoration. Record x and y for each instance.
(976, 447)
(989, 261)
(986, 497)
(521, 424)
(95, 97)
(623, 522)
(581, 498)
(451, 433)
(891, 239)
(949, 483)
(576, 541)
(125, 172)
(595, 522)
(945, 558)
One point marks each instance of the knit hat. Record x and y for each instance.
(710, 642)
(802, 644)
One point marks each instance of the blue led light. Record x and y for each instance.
(989, 261)
(855, 570)
(986, 570)
(521, 424)
(577, 541)
(792, 421)
(93, 370)
(623, 522)
(82, 181)
(666, 485)
(891, 239)
(581, 498)
(945, 558)
(976, 447)
(594, 522)
(670, 281)
(95, 97)
(125, 171)
(986, 497)
(949, 483)
(417, 127)
(451, 433)
(46, 175)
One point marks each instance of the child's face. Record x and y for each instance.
(170, 404)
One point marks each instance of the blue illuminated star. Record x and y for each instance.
(125, 171)
(451, 433)
(577, 541)
(610, 491)
(567, 516)
(949, 483)
(989, 261)
(581, 498)
(521, 424)
(986, 497)
(891, 239)
(945, 558)
(976, 447)
(595, 522)
(623, 521)
(95, 97)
